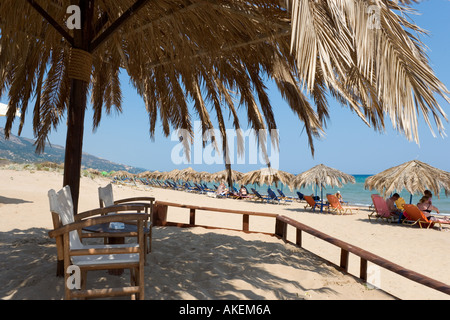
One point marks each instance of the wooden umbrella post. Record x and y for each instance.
(79, 69)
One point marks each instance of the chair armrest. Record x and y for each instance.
(111, 209)
(151, 199)
(101, 251)
(78, 225)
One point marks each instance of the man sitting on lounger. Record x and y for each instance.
(391, 204)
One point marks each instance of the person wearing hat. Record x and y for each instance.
(339, 196)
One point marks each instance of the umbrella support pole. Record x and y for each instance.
(74, 139)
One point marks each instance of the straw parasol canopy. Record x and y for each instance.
(150, 174)
(322, 176)
(413, 176)
(203, 176)
(187, 174)
(123, 174)
(223, 176)
(210, 52)
(170, 175)
(268, 176)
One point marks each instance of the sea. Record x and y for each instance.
(356, 194)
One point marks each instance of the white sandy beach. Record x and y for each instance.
(200, 263)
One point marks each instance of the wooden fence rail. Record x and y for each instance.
(281, 224)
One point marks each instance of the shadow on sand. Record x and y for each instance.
(5, 200)
(183, 265)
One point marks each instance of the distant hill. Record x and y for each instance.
(22, 150)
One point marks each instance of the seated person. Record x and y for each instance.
(243, 192)
(391, 204)
(426, 207)
(222, 190)
(399, 203)
(339, 197)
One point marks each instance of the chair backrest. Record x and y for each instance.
(105, 196)
(272, 194)
(334, 201)
(381, 206)
(301, 196)
(413, 213)
(281, 193)
(256, 193)
(310, 201)
(61, 203)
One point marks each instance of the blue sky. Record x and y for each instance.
(349, 145)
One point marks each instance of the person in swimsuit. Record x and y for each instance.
(426, 207)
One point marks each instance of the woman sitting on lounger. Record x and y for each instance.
(426, 207)
(222, 190)
(243, 191)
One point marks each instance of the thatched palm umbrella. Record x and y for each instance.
(268, 176)
(123, 174)
(150, 174)
(413, 176)
(170, 175)
(224, 176)
(187, 174)
(145, 174)
(203, 176)
(205, 51)
(322, 176)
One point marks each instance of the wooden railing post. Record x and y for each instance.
(281, 229)
(245, 222)
(363, 270)
(298, 240)
(344, 259)
(192, 216)
(159, 215)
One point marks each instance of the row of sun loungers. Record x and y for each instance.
(202, 188)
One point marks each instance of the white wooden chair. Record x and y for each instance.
(106, 199)
(97, 257)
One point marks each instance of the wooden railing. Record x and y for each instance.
(281, 230)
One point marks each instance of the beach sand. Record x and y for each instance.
(199, 263)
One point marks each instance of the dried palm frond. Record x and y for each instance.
(202, 50)
(367, 55)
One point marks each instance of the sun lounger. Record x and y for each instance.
(335, 205)
(414, 216)
(259, 197)
(284, 197)
(274, 198)
(301, 196)
(382, 210)
(313, 204)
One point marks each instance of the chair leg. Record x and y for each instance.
(140, 282)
